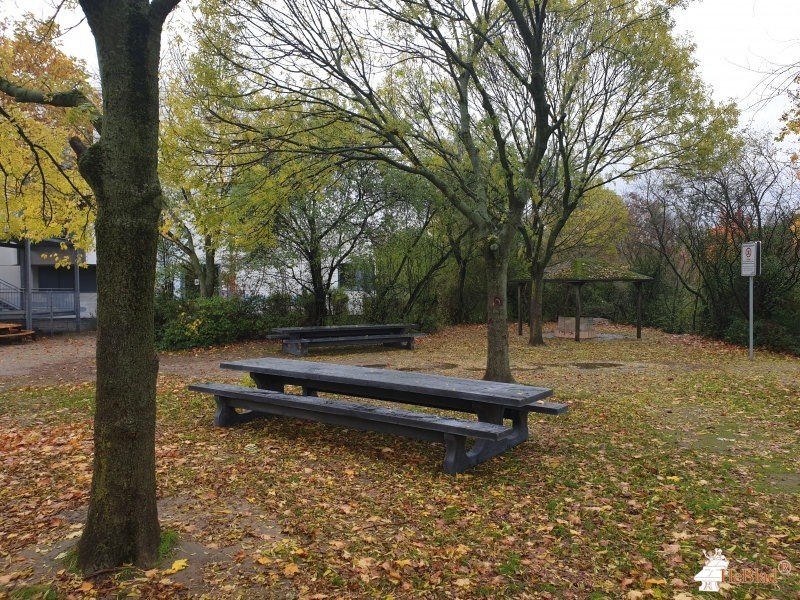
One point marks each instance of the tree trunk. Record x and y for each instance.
(497, 357)
(320, 290)
(208, 271)
(122, 522)
(461, 312)
(536, 337)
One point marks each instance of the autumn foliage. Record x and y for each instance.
(42, 193)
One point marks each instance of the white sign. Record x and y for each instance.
(751, 259)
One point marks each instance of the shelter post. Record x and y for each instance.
(578, 287)
(638, 285)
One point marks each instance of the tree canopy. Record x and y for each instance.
(42, 194)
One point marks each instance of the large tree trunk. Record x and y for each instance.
(122, 522)
(536, 337)
(497, 357)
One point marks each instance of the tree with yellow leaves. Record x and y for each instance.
(42, 194)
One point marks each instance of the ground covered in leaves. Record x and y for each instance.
(673, 445)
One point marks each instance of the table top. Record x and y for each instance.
(344, 328)
(475, 390)
(11, 326)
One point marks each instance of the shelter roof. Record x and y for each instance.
(583, 270)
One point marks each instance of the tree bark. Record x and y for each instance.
(536, 337)
(122, 523)
(319, 289)
(208, 272)
(498, 366)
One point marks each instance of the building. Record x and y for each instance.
(41, 288)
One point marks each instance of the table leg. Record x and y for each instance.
(458, 458)
(267, 382)
(227, 416)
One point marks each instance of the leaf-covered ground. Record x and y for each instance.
(673, 445)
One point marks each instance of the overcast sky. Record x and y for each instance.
(738, 43)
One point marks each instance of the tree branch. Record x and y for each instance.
(72, 98)
(160, 9)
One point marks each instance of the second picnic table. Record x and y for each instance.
(296, 340)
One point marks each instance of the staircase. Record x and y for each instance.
(14, 332)
(10, 297)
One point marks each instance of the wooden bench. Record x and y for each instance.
(13, 331)
(454, 433)
(297, 340)
(502, 408)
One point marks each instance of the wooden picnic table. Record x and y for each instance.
(296, 340)
(14, 331)
(501, 408)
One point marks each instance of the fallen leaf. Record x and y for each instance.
(178, 565)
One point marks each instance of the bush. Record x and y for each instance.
(766, 334)
(203, 322)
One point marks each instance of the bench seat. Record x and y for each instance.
(452, 432)
(18, 335)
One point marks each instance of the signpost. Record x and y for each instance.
(751, 267)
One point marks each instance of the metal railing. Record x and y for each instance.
(48, 307)
(52, 302)
(10, 296)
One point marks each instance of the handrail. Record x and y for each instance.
(10, 296)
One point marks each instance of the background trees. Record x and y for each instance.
(42, 193)
(220, 198)
(631, 102)
(698, 221)
(449, 91)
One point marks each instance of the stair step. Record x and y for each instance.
(17, 335)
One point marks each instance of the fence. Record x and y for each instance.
(51, 309)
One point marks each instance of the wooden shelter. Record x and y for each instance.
(578, 273)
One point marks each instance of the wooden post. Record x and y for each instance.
(638, 285)
(519, 307)
(578, 311)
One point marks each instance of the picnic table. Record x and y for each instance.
(14, 331)
(296, 340)
(501, 408)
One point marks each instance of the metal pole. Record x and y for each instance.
(76, 292)
(751, 316)
(28, 290)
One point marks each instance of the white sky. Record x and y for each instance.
(738, 43)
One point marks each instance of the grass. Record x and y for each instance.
(673, 445)
(167, 544)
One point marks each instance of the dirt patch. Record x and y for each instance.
(442, 366)
(597, 365)
(214, 543)
(71, 358)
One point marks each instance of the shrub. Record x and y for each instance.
(203, 322)
(766, 334)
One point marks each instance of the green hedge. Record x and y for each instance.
(204, 322)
